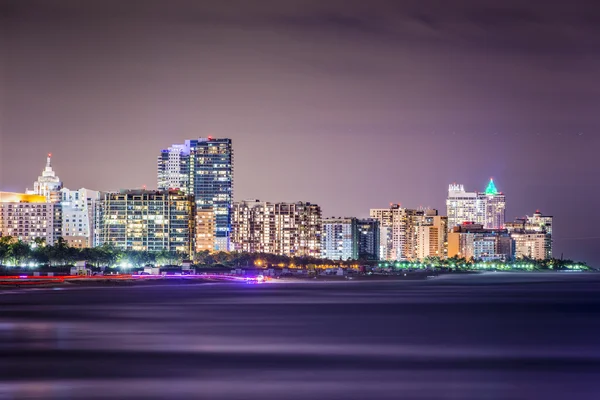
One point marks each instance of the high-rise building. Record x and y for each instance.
(473, 241)
(532, 236)
(431, 236)
(147, 220)
(291, 229)
(398, 234)
(485, 208)
(368, 239)
(173, 167)
(48, 184)
(78, 208)
(495, 206)
(339, 239)
(203, 168)
(27, 217)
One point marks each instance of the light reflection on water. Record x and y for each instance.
(493, 336)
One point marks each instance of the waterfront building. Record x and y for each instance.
(532, 236)
(27, 217)
(473, 241)
(368, 239)
(339, 239)
(431, 236)
(398, 239)
(203, 168)
(486, 208)
(147, 220)
(47, 184)
(205, 230)
(291, 229)
(77, 219)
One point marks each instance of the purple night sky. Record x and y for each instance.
(348, 104)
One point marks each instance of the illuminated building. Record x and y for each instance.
(48, 184)
(147, 220)
(203, 168)
(532, 236)
(291, 229)
(473, 241)
(431, 233)
(78, 209)
(485, 208)
(368, 239)
(27, 217)
(205, 230)
(398, 235)
(339, 239)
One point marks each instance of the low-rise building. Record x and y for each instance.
(147, 220)
(472, 241)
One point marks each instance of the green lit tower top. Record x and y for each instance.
(491, 188)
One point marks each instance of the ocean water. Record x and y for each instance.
(488, 336)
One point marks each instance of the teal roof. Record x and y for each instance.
(491, 188)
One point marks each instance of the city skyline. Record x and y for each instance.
(348, 105)
(490, 192)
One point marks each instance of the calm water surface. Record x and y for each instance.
(491, 336)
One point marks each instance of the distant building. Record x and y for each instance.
(291, 229)
(147, 220)
(204, 168)
(27, 217)
(473, 241)
(532, 236)
(431, 237)
(339, 239)
(48, 184)
(485, 208)
(205, 230)
(398, 231)
(368, 239)
(78, 208)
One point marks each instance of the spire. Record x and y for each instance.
(491, 188)
(49, 160)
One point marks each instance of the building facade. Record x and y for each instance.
(339, 239)
(78, 210)
(147, 220)
(368, 239)
(203, 168)
(532, 236)
(27, 217)
(291, 229)
(474, 242)
(431, 237)
(485, 208)
(398, 234)
(47, 184)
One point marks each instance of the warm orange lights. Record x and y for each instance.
(9, 197)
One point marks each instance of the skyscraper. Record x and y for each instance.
(485, 208)
(204, 168)
(48, 184)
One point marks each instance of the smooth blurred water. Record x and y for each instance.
(490, 336)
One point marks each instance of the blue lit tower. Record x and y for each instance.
(203, 167)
